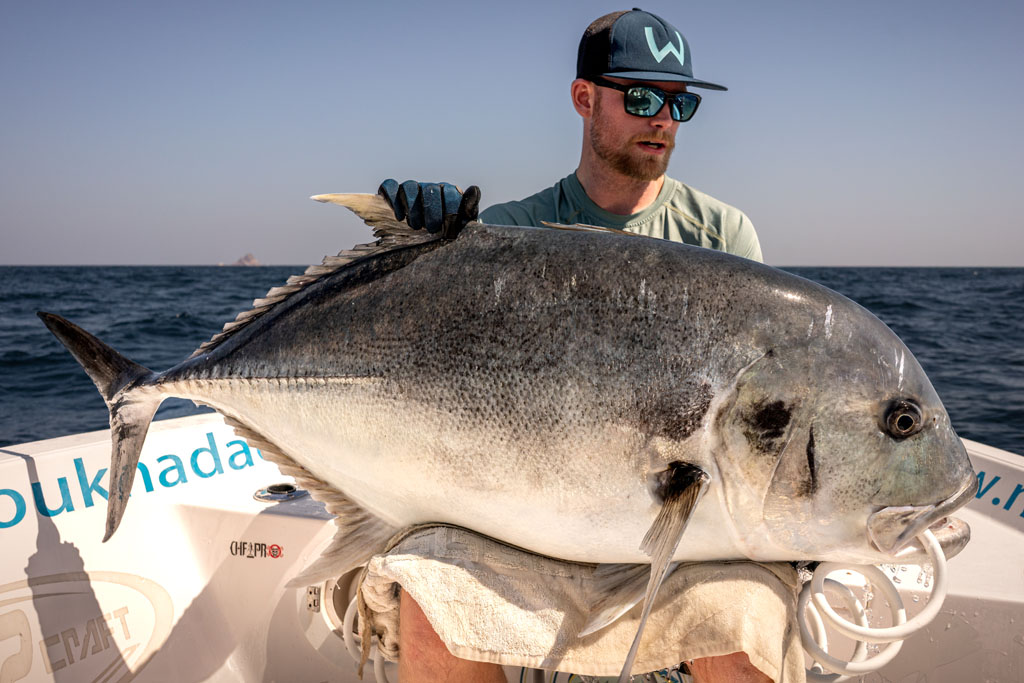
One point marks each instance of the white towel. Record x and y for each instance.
(491, 602)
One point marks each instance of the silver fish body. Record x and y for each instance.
(531, 384)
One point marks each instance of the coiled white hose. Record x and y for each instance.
(817, 645)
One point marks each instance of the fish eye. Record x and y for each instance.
(902, 418)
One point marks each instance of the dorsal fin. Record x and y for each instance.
(375, 212)
(378, 214)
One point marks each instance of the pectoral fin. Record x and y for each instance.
(680, 488)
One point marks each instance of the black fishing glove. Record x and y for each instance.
(437, 207)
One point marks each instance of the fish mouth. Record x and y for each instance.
(952, 534)
(893, 530)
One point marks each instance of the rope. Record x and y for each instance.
(349, 636)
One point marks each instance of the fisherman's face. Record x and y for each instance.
(635, 146)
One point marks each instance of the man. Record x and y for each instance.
(632, 74)
(631, 90)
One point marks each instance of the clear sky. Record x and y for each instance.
(879, 132)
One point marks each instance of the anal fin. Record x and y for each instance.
(359, 535)
(680, 487)
(620, 587)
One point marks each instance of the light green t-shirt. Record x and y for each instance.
(680, 213)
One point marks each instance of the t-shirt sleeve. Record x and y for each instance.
(497, 215)
(509, 213)
(745, 243)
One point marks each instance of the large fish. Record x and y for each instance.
(570, 392)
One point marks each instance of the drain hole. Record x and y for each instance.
(275, 493)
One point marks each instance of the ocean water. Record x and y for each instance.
(964, 325)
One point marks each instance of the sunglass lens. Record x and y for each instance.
(684, 106)
(642, 102)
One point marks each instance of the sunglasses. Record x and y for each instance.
(647, 101)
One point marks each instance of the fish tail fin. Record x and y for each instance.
(130, 413)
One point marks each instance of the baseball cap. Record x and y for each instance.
(638, 45)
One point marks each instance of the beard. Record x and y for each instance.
(626, 158)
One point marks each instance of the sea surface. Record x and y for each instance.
(964, 325)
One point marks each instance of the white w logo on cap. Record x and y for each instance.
(660, 52)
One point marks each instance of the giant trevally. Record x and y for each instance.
(561, 390)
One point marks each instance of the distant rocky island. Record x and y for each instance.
(247, 260)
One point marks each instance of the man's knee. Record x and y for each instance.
(732, 668)
(423, 656)
(418, 643)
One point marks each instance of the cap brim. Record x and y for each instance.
(663, 76)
